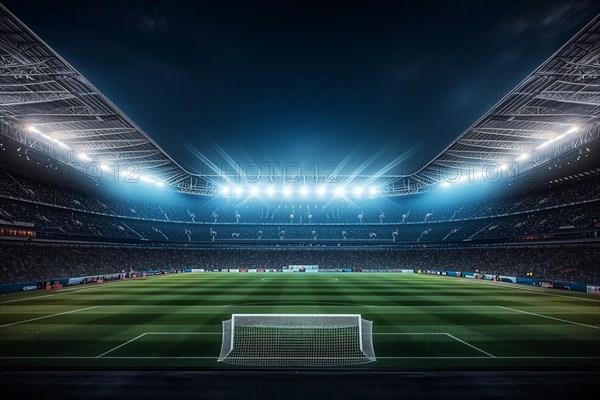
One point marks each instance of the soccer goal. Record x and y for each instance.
(297, 340)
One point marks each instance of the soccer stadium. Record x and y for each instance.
(122, 265)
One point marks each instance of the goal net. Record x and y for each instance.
(297, 340)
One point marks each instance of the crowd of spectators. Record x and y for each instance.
(83, 225)
(350, 211)
(30, 262)
(82, 213)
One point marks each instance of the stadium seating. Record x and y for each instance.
(193, 231)
(30, 262)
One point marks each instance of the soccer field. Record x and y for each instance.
(419, 321)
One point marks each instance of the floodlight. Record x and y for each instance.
(287, 191)
(340, 191)
(254, 191)
(321, 191)
(84, 157)
(225, 191)
(238, 191)
(33, 129)
(270, 191)
(304, 191)
(541, 146)
(503, 167)
(358, 191)
(104, 167)
(574, 129)
(445, 184)
(522, 157)
(373, 191)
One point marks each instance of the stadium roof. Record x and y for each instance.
(49, 106)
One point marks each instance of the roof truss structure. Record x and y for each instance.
(45, 101)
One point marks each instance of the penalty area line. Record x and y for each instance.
(184, 333)
(154, 333)
(121, 345)
(436, 333)
(409, 333)
(470, 345)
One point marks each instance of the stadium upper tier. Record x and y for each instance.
(290, 212)
(566, 205)
(45, 104)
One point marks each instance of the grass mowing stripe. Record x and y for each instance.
(47, 316)
(538, 291)
(546, 316)
(67, 290)
(177, 305)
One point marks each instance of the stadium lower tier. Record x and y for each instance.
(34, 262)
(40, 221)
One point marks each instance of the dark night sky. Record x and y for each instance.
(305, 82)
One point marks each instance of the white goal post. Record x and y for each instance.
(297, 340)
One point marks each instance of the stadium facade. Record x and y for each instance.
(67, 152)
(461, 254)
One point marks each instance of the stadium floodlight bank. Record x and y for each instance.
(297, 340)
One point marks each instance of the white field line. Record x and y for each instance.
(156, 333)
(47, 316)
(438, 333)
(409, 333)
(548, 317)
(496, 358)
(159, 357)
(515, 287)
(470, 345)
(121, 345)
(96, 357)
(184, 333)
(215, 358)
(67, 290)
(292, 305)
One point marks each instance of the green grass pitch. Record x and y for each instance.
(419, 321)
